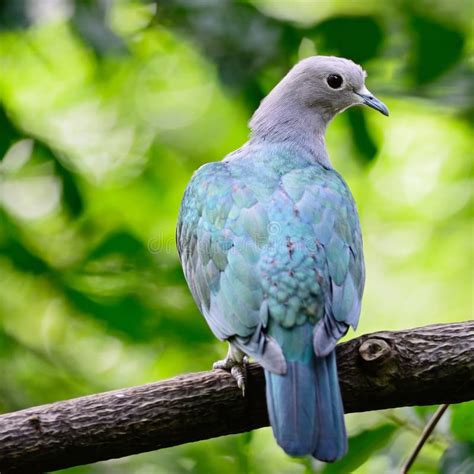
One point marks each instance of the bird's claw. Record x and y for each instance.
(238, 370)
(225, 364)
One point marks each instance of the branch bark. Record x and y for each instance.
(423, 366)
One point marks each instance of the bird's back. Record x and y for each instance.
(280, 225)
(271, 248)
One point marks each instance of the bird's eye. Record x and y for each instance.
(334, 81)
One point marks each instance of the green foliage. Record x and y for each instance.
(106, 109)
(437, 47)
(462, 421)
(338, 33)
(364, 144)
(458, 459)
(361, 447)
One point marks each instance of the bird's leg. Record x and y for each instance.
(235, 363)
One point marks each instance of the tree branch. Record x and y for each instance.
(424, 437)
(423, 366)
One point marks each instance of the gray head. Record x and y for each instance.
(308, 97)
(330, 84)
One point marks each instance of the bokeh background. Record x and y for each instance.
(107, 107)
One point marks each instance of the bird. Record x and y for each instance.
(271, 248)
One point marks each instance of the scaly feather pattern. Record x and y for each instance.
(272, 252)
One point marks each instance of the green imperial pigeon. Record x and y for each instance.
(270, 243)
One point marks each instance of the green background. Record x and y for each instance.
(106, 109)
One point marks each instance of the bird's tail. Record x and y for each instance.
(305, 409)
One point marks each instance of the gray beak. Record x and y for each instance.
(371, 101)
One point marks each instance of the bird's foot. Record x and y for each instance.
(238, 370)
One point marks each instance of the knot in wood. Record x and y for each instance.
(373, 350)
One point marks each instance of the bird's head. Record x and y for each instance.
(327, 84)
(331, 84)
(301, 105)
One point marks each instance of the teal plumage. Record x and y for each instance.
(270, 242)
(271, 248)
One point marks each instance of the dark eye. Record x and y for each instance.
(334, 81)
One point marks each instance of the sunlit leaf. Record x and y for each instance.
(12, 246)
(42, 153)
(462, 421)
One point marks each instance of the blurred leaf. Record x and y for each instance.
(132, 318)
(9, 133)
(42, 153)
(361, 447)
(462, 421)
(13, 14)
(361, 138)
(125, 314)
(436, 48)
(237, 37)
(120, 242)
(90, 21)
(7, 343)
(11, 245)
(70, 192)
(425, 412)
(22, 258)
(458, 459)
(71, 195)
(339, 35)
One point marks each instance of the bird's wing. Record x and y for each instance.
(337, 230)
(221, 228)
(323, 201)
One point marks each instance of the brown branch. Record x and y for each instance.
(424, 366)
(424, 437)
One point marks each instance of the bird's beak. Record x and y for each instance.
(371, 101)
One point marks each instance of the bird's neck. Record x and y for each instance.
(278, 121)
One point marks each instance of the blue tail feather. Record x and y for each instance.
(305, 409)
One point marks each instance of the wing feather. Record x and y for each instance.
(342, 243)
(220, 228)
